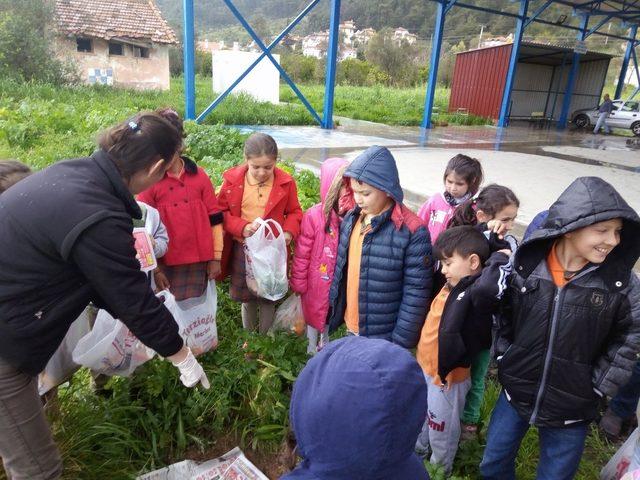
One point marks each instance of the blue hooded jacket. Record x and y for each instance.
(395, 270)
(356, 410)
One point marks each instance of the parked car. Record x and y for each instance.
(626, 114)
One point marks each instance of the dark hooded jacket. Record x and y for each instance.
(356, 410)
(395, 270)
(65, 240)
(559, 348)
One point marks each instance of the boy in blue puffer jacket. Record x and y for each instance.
(383, 276)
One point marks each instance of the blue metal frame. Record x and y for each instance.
(628, 10)
(625, 62)
(503, 118)
(332, 63)
(436, 46)
(189, 62)
(266, 51)
(573, 73)
(272, 45)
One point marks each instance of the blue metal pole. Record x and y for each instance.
(436, 47)
(332, 62)
(625, 62)
(503, 119)
(271, 46)
(573, 73)
(189, 62)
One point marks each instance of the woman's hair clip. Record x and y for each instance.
(134, 126)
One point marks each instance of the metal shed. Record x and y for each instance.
(538, 90)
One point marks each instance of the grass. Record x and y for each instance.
(392, 106)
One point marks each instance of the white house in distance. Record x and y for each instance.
(115, 42)
(347, 32)
(403, 35)
(315, 45)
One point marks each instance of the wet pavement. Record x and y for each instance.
(536, 163)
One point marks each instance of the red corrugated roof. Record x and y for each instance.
(134, 19)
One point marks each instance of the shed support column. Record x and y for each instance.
(436, 47)
(189, 62)
(503, 119)
(332, 62)
(625, 62)
(573, 73)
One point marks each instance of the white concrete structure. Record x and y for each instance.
(263, 83)
(403, 35)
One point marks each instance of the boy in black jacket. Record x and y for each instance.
(457, 327)
(570, 332)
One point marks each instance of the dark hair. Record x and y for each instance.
(490, 200)
(468, 168)
(137, 143)
(11, 172)
(464, 240)
(173, 117)
(260, 144)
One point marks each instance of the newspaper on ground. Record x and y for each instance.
(233, 465)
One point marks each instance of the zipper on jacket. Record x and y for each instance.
(557, 307)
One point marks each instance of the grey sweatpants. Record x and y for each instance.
(26, 445)
(441, 429)
(317, 340)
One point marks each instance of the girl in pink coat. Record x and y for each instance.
(316, 250)
(462, 179)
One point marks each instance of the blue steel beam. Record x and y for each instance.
(537, 13)
(449, 6)
(503, 119)
(332, 62)
(436, 46)
(263, 47)
(271, 46)
(598, 25)
(573, 73)
(625, 63)
(189, 62)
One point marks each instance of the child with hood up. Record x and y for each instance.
(382, 282)
(570, 332)
(356, 411)
(317, 248)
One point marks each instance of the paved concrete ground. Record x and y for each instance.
(537, 164)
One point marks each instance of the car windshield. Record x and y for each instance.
(630, 107)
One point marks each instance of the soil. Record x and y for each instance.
(272, 464)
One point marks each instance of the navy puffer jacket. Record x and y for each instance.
(395, 270)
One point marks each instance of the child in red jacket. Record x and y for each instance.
(188, 207)
(255, 189)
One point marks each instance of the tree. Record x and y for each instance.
(26, 51)
(396, 61)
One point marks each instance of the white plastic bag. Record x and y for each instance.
(196, 319)
(619, 463)
(61, 366)
(289, 316)
(110, 348)
(266, 261)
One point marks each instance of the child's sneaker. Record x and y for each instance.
(468, 431)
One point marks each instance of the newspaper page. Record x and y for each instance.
(233, 465)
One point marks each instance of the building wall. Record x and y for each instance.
(128, 71)
(478, 80)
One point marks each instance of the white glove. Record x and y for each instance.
(191, 372)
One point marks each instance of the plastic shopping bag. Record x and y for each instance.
(619, 463)
(110, 348)
(196, 319)
(61, 366)
(266, 261)
(289, 316)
